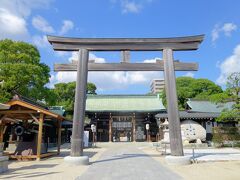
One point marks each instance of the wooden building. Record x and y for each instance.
(123, 117)
(28, 128)
(204, 112)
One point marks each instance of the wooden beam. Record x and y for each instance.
(59, 136)
(126, 46)
(17, 111)
(33, 107)
(121, 44)
(185, 39)
(2, 117)
(1, 132)
(10, 119)
(159, 66)
(40, 133)
(172, 104)
(34, 118)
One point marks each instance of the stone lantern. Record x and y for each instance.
(165, 131)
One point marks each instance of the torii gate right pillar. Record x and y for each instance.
(176, 145)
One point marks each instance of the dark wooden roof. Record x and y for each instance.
(28, 100)
(27, 108)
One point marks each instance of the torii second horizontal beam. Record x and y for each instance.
(159, 66)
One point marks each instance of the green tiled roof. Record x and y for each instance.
(207, 106)
(57, 109)
(126, 103)
(186, 114)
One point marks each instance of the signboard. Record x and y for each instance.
(86, 138)
(140, 133)
(93, 128)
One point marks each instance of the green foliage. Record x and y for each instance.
(229, 115)
(222, 134)
(63, 94)
(21, 71)
(220, 97)
(188, 87)
(233, 84)
(233, 91)
(91, 88)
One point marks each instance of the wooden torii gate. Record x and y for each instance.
(125, 45)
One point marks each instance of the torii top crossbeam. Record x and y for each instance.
(121, 44)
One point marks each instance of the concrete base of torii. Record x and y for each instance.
(178, 160)
(77, 160)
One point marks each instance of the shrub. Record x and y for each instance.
(223, 134)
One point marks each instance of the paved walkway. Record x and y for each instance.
(126, 161)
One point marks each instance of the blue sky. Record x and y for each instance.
(218, 55)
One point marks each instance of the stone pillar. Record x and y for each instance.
(134, 128)
(172, 105)
(110, 129)
(79, 105)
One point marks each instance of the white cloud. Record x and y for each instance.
(13, 17)
(67, 25)
(23, 8)
(215, 33)
(130, 7)
(42, 25)
(152, 60)
(226, 28)
(74, 57)
(229, 65)
(110, 80)
(40, 41)
(8, 24)
(61, 53)
(189, 74)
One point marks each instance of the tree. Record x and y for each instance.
(233, 90)
(91, 88)
(21, 71)
(64, 94)
(188, 87)
(233, 84)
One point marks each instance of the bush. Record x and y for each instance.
(223, 134)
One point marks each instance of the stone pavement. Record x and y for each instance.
(126, 161)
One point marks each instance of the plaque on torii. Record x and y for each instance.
(125, 45)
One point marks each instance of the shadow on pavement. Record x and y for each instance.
(125, 156)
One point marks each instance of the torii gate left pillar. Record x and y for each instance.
(77, 140)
